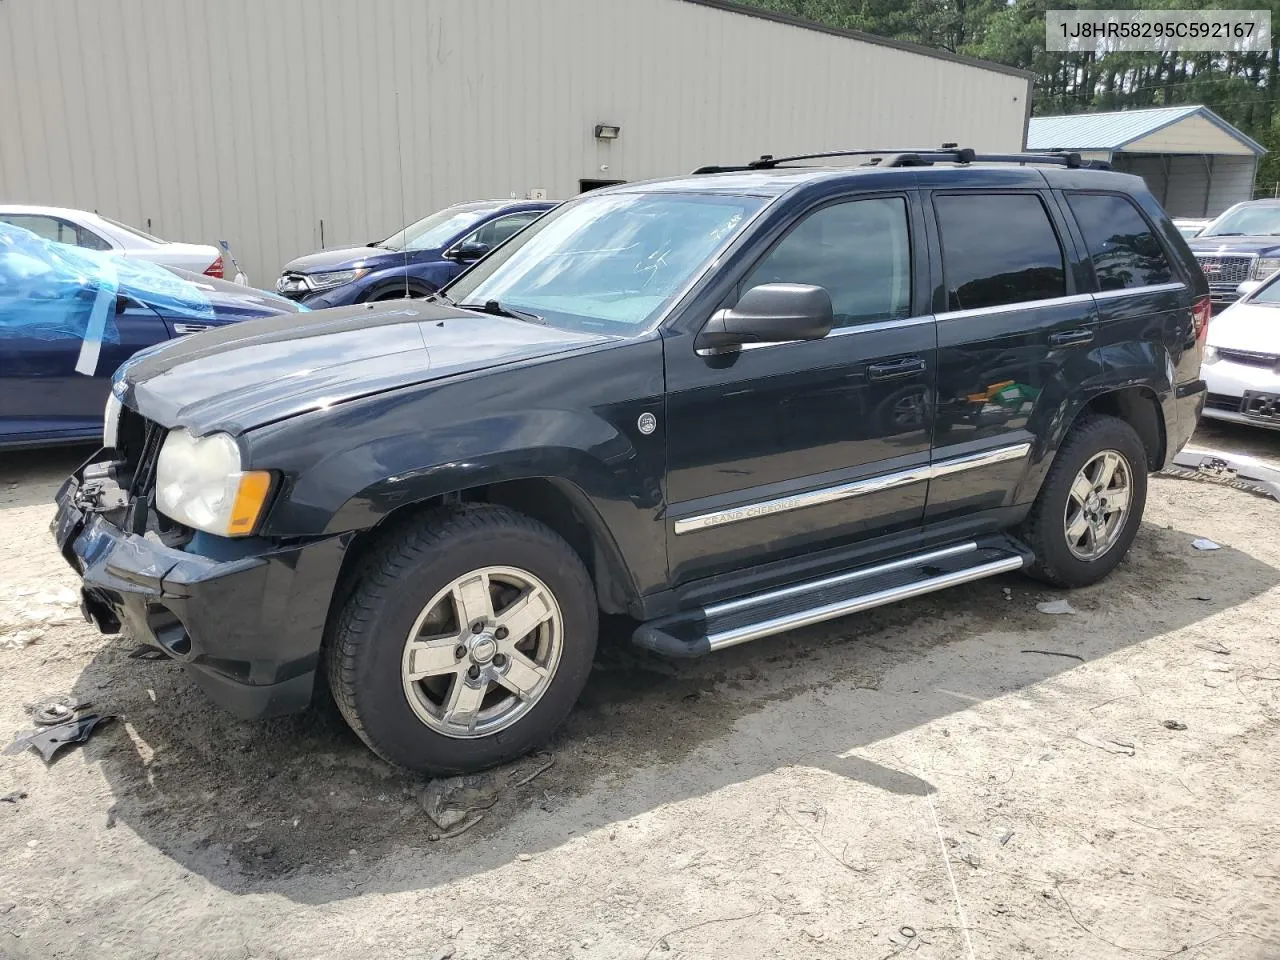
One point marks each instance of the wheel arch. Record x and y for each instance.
(1138, 405)
(557, 503)
(416, 287)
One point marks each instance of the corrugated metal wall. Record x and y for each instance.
(1193, 185)
(254, 120)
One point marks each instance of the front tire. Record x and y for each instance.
(1091, 503)
(465, 640)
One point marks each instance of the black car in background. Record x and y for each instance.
(725, 405)
(1242, 244)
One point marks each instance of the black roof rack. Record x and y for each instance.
(920, 157)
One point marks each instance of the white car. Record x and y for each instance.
(84, 229)
(1242, 358)
(1190, 228)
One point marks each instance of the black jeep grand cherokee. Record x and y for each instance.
(728, 405)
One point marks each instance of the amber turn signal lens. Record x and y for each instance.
(251, 497)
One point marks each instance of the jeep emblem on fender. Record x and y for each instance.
(647, 423)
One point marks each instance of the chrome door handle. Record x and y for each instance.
(906, 367)
(1069, 337)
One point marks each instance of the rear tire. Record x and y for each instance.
(1089, 508)
(465, 640)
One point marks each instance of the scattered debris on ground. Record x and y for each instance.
(1234, 470)
(1111, 746)
(1056, 607)
(49, 740)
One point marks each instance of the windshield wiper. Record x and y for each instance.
(498, 310)
(1222, 234)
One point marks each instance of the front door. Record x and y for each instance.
(781, 449)
(55, 370)
(1016, 338)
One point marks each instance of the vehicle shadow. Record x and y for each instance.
(300, 807)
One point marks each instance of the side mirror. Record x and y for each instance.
(770, 313)
(1247, 287)
(467, 252)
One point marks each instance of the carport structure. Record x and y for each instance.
(1195, 163)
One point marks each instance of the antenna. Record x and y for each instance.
(404, 209)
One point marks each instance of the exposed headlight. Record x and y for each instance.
(1264, 267)
(1210, 354)
(111, 421)
(199, 483)
(325, 281)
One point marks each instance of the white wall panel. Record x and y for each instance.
(255, 120)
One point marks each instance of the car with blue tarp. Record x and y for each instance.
(70, 316)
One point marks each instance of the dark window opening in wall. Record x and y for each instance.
(585, 185)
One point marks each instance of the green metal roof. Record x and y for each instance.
(1117, 129)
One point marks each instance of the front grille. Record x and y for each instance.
(292, 285)
(1225, 269)
(1222, 401)
(1250, 358)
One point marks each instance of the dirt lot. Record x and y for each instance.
(938, 779)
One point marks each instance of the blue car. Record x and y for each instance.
(70, 316)
(418, 260)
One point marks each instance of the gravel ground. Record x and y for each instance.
(957, 776)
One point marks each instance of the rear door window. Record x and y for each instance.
(48, 228)
(1124, 251)
(998, 249)
(91, 241)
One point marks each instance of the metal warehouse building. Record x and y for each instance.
(1194, 162)
(279, 124)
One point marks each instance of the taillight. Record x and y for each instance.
(214, 269)
(1200, 316)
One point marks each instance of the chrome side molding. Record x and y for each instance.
(856, 488)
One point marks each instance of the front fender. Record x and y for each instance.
(571, 420)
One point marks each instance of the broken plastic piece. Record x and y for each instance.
(1204, 543)
(1229, 469)
(47, 741)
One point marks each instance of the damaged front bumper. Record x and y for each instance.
(245, 617)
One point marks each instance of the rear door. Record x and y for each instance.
(1144, 305)
(783, 449)
(1016, 329)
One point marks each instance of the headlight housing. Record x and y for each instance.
(199, 483)
(1210, 354)
(111, 421)
(326, 281)
(1264, 267)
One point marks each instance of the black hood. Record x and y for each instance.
(249, 374)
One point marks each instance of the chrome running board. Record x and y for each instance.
(729, 623)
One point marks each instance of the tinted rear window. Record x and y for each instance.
(1124, 250)
(998, 249)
